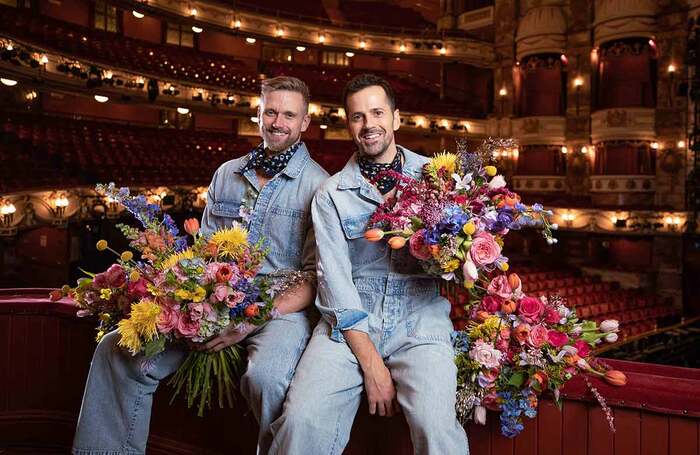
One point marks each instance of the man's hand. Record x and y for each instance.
(381, 393)
(233, 334)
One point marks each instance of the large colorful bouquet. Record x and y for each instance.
(178, 293)
(516, 347)
(455, 216)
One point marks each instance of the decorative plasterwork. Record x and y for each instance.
(540, 130)
(475, 19)
(541, 30)
(615, 19)
(296, 32)
(623, 123)
(539, 183)
(623, 183)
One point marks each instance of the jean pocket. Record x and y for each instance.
(430, 321)
(361, 250)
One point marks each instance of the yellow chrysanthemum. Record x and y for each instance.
(199, 294)
(451, 265)
(144, 316)
(486, 330)
(444, 160)
(129, 336)
(230, 242)
(174, 258)
(183, 294)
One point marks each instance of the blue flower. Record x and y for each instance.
(460, 341)
(432, 236)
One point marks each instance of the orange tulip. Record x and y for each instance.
(572, 360)
(251, 310)
(508, 307)
(521, 332)
(481, 316)
(514, 281)
(616, 377)
(374, 235)
(192, 226)
(397, 242)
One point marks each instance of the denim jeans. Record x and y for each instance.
(116, 412)
(368, 287)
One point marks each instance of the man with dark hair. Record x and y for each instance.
(385, 328)
(270, 191)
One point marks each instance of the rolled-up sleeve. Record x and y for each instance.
(337, 298)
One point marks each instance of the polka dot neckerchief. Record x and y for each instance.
(370, 170)
(270, 165)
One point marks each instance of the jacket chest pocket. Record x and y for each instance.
(285, 229)
(362, 251)
(226, 213)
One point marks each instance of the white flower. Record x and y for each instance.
(609, 325)
(480, 415)
(497, 182)
(485, 354)
(469, 269)
(611, 337)
(462, 183)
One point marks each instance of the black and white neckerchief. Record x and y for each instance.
(270, 165)
(370, 170)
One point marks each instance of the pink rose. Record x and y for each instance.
(137, 289)
(113, 277)
(584, 350)
(186, 327)
(491, 303)
(537, 336)
(220, 292)
(234, 299)
(196, 310)
(499, 286)
(484, 249)
(551, 315)
(168, 318)
(417, 246)
(485, 354)
(531, 309)
(557, 338)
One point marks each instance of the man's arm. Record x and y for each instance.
(340, 304)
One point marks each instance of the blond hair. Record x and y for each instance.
(289, 83)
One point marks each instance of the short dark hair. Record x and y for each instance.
(363, 81)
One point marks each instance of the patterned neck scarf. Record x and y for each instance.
(270, 165)
(370, 170)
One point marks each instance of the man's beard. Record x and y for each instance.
(276, 143)
(376, 149)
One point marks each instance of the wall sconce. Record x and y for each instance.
(578, 83)
(564, 150)
(673, 222)
(671, 69)
(568, 218)
(680, 144)
(60, 203)
(502, 93)
(655, 145)
(7, 210)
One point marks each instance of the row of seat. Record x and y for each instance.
(197, 67)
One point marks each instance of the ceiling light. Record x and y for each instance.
(183, 110)
(254, 119)
(8, 82)
(350, 54)
(197, 29)
(101, 98)
(250, 40)
(324, 126)
(137, 15)
(301, 48)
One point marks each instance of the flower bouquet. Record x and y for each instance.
(181, 294)
(454, 219)
(455, 216)
(516, 347)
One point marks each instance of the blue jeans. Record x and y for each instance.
(410, 326)
(116, 410)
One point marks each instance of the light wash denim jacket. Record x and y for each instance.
(280, 211)
(340, 211)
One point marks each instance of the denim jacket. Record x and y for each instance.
(280, 210)
(340, 211)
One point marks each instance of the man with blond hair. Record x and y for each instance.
(269, 190)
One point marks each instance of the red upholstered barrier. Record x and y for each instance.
(46, 352)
